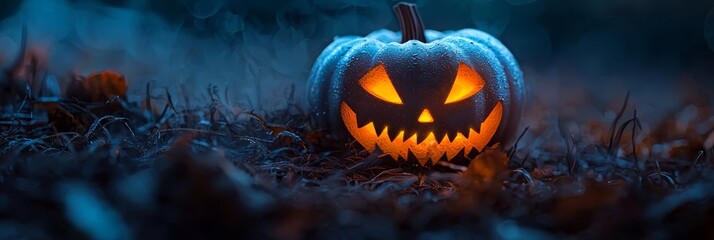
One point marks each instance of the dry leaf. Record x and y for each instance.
(98, 87)
(487, 165)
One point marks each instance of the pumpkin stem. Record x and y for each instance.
(410, 22)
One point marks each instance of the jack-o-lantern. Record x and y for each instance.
(423, 95)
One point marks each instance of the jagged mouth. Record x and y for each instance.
(428, 148)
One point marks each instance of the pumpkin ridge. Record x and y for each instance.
(324, 66)
(511, 69)
(342, 63)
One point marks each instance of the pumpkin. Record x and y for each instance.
(419, 94)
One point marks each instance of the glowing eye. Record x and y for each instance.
(467, 83)
(377, 83)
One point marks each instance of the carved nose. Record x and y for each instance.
(425, 117)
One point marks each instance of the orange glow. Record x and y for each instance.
(377, 83)
(425, 117)
(467, 83)
(430, 148)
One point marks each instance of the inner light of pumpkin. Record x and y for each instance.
(425, 117)
(429, 148)
(467, 83)
(377, 83)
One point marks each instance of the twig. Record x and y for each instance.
(514, 148)
(149, 106)
(699, 156)
(524, 161)
(571, 159)
(526, 175)
(170, 101)
(618, 136)
(617, 119)
(90, 133)
(636, 125)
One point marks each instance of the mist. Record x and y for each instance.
(260, 51)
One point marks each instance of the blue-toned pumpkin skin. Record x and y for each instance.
(422, 73)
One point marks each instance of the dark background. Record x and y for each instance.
(649, 47)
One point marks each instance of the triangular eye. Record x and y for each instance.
(377, 83)
(467, 83)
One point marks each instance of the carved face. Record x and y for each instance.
(446, 96)
(432, 125)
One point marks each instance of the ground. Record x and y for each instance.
(162, 169)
